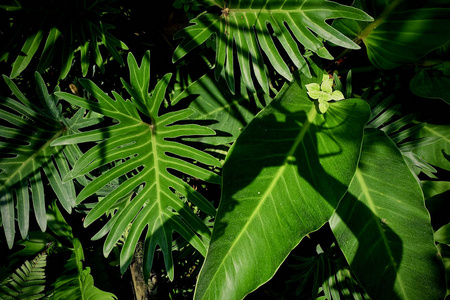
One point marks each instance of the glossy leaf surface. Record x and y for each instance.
(145, 152)
(244, 25)
(403, 31)
(298, 164)
(383, 228)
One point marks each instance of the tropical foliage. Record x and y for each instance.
(293, 149)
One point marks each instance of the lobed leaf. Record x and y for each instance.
(147, 152)
(254, 27)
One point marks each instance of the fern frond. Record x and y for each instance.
(76, 282)
(145, 148)
(27, 282)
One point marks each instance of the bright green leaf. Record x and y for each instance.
(290, 186)
(147, 153)
(245, 24)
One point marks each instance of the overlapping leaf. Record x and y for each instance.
(26, 132)
(244, 26)
(298, 164)
(146, 150)
(227, 114)
(383, 228)
(64, 33)
(403, 31)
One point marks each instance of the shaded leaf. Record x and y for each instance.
(383, 228)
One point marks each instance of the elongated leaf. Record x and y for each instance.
(245, 24)
(403, 31)
(29, 48)
(148, 154)
(26, 156)
(383, 228)
(227, 113)
(438, 152)
(282, 179)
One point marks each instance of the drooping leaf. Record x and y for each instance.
(383, 228)
(282, 179)
(146, 151)
(244, 25)
(403, 31)
(64, 33)
(27, 282)
(26, 156)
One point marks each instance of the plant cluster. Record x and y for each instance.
(294, 149)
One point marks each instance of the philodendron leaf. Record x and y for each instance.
(282, 179)
(145, 150)
(383, 228)
(403, 31)
(26, 131)
(245, 25)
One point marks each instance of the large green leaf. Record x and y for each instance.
(26, 132)
(403, 31)
(148, 152)
(282, 179)
(438, 152)
(244, 25)
(383, 228)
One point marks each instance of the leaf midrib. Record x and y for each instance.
(365, 190)
(309, 118)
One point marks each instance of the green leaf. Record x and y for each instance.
(76, 282)
(438, 152)
(245, 25)
(430, 83)
(148, 153)
(403, 31)
(27, 282)
(383, 228)
(228, 113)
(298, 164)
(29, 48)
(25, 160)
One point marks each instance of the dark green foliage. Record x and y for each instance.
(280, 161)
